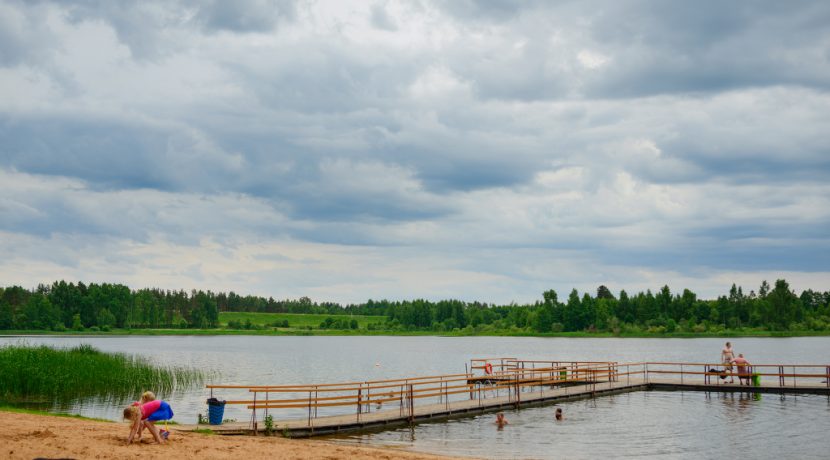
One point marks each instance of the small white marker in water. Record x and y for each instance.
(377, 364)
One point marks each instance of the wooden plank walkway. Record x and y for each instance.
(395, 416)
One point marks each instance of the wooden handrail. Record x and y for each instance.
(721, 364)
(511, 374)
(363, 386)
(353, 399)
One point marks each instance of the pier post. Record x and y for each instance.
(253, 414)
(411, 405)
(359, 401)
(518, 395)
(309, 407)
(402, 400)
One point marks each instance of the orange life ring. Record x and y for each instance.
(488, 368)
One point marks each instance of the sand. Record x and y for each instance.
(27, 436)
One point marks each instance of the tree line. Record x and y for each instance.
(63, 306)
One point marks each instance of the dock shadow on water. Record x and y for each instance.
(61, 379)
(650, 424)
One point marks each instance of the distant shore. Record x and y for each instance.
(319, 332)
(27, 436)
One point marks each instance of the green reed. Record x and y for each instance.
(42, 373)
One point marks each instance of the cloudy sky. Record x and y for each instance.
(478, 150)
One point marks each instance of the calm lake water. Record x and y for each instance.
(652, 424)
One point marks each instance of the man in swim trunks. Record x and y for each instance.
(743, 369)
(726, 357)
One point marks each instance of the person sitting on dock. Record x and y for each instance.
(726, 357)
(559, 415)
(500, 420)
(744, 372)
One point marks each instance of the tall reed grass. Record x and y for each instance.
(42, 373)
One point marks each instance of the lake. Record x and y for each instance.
(646, 424)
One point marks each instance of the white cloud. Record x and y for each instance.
(591, 59)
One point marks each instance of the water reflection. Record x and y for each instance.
(648, 424)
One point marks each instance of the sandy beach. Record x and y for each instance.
(26, 436)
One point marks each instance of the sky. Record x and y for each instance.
(476, 150)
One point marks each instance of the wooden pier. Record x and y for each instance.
(489, 385)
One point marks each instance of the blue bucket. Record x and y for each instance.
(216, 411)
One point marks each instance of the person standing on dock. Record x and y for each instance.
(726, 357)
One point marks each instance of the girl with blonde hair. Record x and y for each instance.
(145, 415)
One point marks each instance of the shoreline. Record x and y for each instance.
(330, 333)
(29, 435)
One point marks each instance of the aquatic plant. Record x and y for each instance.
(46, 374)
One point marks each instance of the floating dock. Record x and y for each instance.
(490, 385)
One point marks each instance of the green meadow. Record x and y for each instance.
(295, 321)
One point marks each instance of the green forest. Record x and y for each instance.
(105, 307)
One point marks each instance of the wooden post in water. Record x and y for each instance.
(359, 401)
(402, 400)
(309, 407)
(411, 405)
(253, 414)
(518, 395)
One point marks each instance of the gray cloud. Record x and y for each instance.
(244, 16)
(472, 136)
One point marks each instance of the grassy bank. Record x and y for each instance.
(42, 373)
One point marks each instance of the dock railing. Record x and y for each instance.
(785, 375)
(510, 379)
(406, 395)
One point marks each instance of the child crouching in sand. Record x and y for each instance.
(145, 415)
